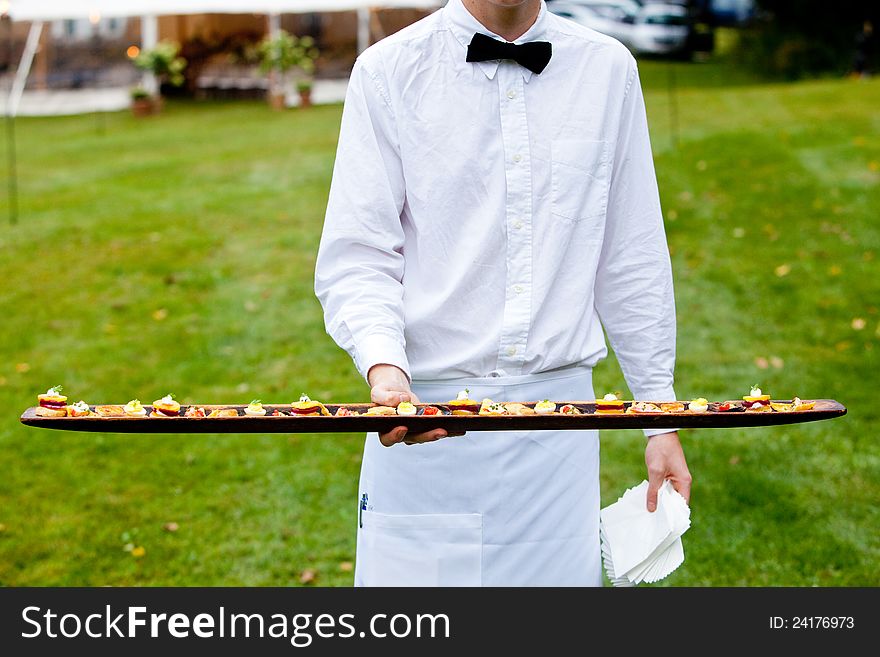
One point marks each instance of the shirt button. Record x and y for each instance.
(511, 351)
(518, 224)
(511, 94)
(517, 158)
(518, 289)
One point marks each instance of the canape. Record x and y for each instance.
(165, 407)
(644, 407)
(406, 409)
(609, 404)
(306, 406)
(79, 409)
(463, 405)
(52, 403)
(109, 410)
(134, 408)
(255, 409)
(545, 407)
(756, 401)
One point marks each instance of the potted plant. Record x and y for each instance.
(141, 102)
(165, 63)
(304, 89)
(283, 53)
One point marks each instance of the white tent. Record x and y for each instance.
(38, 11)
(46, 10)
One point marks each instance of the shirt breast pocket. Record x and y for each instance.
(580, 179)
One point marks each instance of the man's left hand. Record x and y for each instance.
(665, 460)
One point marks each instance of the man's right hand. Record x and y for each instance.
(389, 387)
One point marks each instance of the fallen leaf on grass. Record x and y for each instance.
(733, 460)
(21, 368)
(308, 576)
(858, 323)
(782, 270)
(843, 345)
(171, 527)
(873, 165)
(250, 306)
(346, 566)
(3, 529)
(160, 314)
(739, 231)
(776, 362)
(2, 380)
(762, 363)
(138, 552)
(834, 270)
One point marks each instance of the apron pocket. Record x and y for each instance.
(420, 550)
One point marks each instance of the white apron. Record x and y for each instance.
(485, 509)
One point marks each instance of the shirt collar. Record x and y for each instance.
(463, 25)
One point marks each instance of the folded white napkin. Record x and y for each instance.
(639, 546)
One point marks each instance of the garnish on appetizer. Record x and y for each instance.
(406, 408)
(165, 407)
(134, 408)
(757, 401)
(464, 405)
(79, 409)
(699, 405)
(52, 403)
(644, 407)
(569, 409)
(255, 409)
(306, 406)
(489, 407)
(545, 407)
(609, 404)
(278, 413)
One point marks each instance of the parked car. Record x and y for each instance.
(661, 29)
(588, 17)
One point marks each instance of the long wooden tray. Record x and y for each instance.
(824, 409)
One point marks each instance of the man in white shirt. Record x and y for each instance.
(493, 207)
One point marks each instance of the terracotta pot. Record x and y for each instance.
(305, 97)
(142, 107)
(278, 101)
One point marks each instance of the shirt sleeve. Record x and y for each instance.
(359, 265)
(634, 294)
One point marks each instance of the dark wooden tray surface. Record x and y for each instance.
(824, 409)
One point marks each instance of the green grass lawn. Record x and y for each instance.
(175, 254)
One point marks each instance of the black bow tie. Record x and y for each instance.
(534, 55)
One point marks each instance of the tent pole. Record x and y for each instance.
(363, 14)
(13, 169)
(149, 40)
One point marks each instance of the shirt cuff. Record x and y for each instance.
(380, 349)
(656, 395)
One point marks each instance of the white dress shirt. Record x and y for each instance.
(487, 221)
